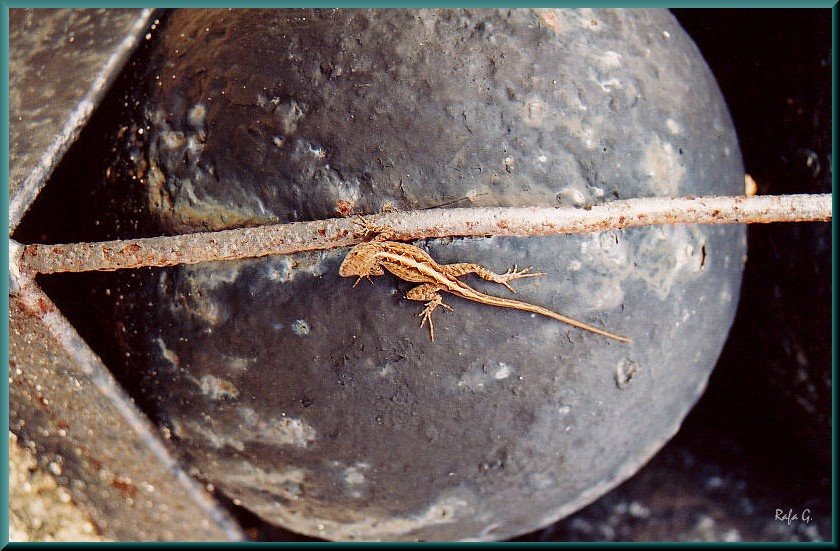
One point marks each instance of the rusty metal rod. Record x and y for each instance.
(343, 232)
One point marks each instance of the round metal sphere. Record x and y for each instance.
(326, 408)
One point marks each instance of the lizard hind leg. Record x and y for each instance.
(430, 294)
(457, 270)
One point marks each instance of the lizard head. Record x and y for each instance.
(362, 261)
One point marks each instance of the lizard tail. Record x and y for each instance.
(526, 307)
(585, 326)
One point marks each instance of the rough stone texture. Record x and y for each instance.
(327, 409)
(40, 509)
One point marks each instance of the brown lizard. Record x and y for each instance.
(413, 264)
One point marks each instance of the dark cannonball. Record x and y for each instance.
(327, 409)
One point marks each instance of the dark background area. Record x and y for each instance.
(760, 438)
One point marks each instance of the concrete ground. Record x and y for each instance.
(39, 509)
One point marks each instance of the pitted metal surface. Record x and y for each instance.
(326, 408)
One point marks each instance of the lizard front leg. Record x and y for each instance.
(457, 270)
(379, 233)
(429, 293)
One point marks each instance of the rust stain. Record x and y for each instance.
(125, 486)
(549, 17)
(130, 249)
(343, 208)
(95, 463)
(44, 306)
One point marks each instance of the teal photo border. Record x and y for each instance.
(4, 166)
(835, 18)
(428, 4)
(4, 330)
